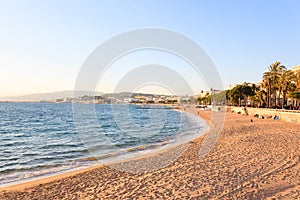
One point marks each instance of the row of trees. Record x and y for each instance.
(277, 86)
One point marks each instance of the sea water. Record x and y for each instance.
(38, 139)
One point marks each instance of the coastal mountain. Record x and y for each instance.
(49, 96)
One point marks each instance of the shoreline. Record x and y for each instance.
(34, 181)
(44, 180)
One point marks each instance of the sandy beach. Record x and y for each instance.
(259, 160)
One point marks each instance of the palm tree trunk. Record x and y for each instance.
(275, 98)
(269, 94)
(280, 103)
(284, 99)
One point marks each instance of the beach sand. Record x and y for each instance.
(258, 160)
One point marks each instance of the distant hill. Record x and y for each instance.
(48, 96)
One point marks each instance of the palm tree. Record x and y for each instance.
(259, 99)
(285, 79)
(295, 89)
(297, 79)
(270, 78)
(267, 84)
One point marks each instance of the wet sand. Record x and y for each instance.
(259, 160)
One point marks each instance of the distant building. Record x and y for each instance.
(141, 99)
(172, 99)
(67, 99)
(161, 99)
(203, 94)
(127, 100)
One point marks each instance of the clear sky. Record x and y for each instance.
(44, 43)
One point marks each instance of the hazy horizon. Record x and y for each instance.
(90, 93)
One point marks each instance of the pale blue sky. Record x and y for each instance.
(44, 43)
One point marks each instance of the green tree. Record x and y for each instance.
(259, 98)
(219, 98)
(271, 82)
(205, 100)
(294, 89)
(285, 80)
(241, 92)
(296, 96)
(297, 79)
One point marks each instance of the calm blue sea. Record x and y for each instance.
(38, 139)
